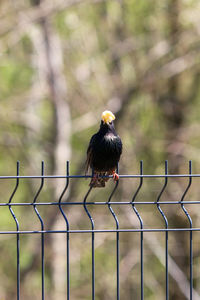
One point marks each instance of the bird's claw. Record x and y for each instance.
(115, 176)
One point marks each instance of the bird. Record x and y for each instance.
(104, 151)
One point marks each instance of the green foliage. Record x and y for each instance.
(139, 59)
(14, 77)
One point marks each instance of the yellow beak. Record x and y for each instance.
(107, 117)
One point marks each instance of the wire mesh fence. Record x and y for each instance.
(187, 285)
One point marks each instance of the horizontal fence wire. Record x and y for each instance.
(86, 203)
(111, 205)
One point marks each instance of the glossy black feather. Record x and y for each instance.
(104, 149)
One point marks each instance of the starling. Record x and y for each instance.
(104, 151)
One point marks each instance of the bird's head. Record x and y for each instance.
(107, 117)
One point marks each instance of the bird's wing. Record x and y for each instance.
(89, 154)
(88, 160)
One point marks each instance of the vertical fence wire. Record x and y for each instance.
(42, 228)
(117, 238)
(141, 234)
(17, 235)
(93, 253)
(166, 233)
(67, 228)
(190, 223)
(110, 204)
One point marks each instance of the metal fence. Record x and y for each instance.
(110, 203)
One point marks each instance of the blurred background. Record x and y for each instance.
(61, 64)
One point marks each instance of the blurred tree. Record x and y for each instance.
(62, 63)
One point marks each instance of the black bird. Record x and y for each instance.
(104, 151)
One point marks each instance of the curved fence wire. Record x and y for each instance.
(87, 205)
